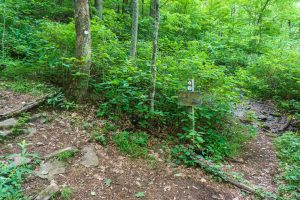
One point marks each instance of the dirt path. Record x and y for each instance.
(55, 130)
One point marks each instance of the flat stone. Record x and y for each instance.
(51, 168)
(90, 158)
(31, 131)
(56, 153)
(38, 118)
(7, 124)
(4, 133)
(48, 192)
(17, 160)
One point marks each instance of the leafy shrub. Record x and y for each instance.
(288, 152)
(59, 101)
(12, 176)
(133, 144)
(66, 155)
(100, 138)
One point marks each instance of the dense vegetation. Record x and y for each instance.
(233, 49)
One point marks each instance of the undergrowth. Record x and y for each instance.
(288, 152)
(12, 176)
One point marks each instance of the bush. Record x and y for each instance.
(12, 176)
(132, 144)
(288, 152)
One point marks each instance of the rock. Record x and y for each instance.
(17, 160)
(4, 133)
(47, 193)
(90, 158)
(56, 153)
(7, 124)
(262, 117)
(31, 132)
(40, 144)
(276, 114)
(38, 118)
(51, 168)
(203, 180)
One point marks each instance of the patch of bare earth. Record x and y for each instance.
(128, 176)
(10, 100)
(258, 162)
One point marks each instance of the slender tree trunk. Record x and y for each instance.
(154, 53)
(143, 7)
(152, 8)
(99, 8)
(3, 37)
(118, 6)
(135, 21)
(83, 48)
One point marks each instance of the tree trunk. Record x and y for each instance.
(124, 5)
(154, 53)
(99, 8)
(135, 20)
(3, 37)
(118, 6)
(143, 7)
(152, 8)
(83, 49)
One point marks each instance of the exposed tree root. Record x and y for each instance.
(209, 167)
(25, 108)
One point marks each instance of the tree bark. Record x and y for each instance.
(135, 21)
(3, 36)
(99, 8)
(83, 49)
(143, 7)
(154, 53)
(152, 8)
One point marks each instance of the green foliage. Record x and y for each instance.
(12, 176)
(132, 144)
(140, 194)
(100, 138)
(288, 147)
(64, 193)
(59, 101)
(66, 155)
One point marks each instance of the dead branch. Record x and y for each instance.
(25, 108)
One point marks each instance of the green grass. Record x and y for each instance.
(288, 152)
(27, 87)
(132, 144)
(66, 155)
(99, 137)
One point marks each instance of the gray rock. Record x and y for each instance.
(90, 158)
(31, 132)
(4, 133)
(38, 118)
(17, 160)
(7, 124)
(51, 168)
(48, 192)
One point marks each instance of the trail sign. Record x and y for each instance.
(189, 98)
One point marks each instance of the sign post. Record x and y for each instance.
(190, 98)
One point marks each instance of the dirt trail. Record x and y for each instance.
(55, 130)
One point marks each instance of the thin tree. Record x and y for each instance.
(99, 8)
(134, 30)
(152, 8)
(83, 48)
(154, 53)
(3, 34)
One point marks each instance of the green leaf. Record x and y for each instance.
(140, 194)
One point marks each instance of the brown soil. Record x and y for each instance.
(159, 180)
(10, 101)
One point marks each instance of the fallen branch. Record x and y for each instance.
(210, 167)
(26, 107)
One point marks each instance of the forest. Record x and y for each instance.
(150, 99)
